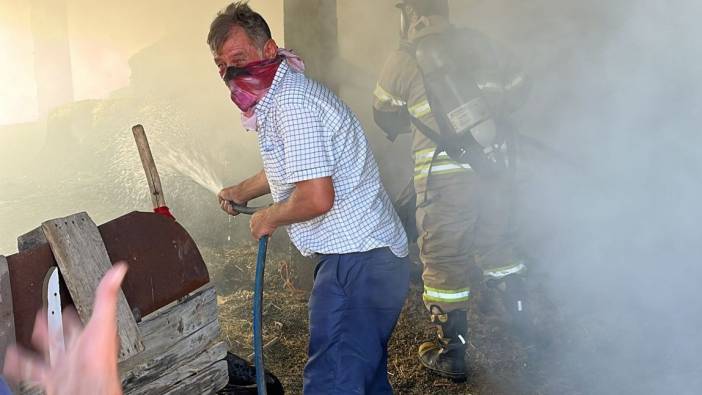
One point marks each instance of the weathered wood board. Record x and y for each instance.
(180, 320)
(156, 362)
(82, 258)
(31, 240)
(208, 381)
(178, 374)
(205, 373)
(7, 320)
(173, 337)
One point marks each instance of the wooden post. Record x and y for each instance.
(315, 39)
(82, 258)
(147, 160)
(7, 317)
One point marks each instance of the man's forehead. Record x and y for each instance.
(237, 39)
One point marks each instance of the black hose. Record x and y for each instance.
(245, 209)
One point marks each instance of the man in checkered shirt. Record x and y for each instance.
(327, 192)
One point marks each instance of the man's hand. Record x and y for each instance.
(249, 189)
(227, 195)
(261, 224)
(89, 364)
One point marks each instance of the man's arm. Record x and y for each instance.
(310, 199)
(251, 188)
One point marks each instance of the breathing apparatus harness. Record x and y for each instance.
(469, 132)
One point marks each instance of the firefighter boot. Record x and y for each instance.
(446, 356)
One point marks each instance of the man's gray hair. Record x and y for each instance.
(238, 14)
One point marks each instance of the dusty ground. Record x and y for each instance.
(501, 363)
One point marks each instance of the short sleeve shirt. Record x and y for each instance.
(306, 132)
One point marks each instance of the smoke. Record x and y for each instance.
(616, 90)
(613, 231)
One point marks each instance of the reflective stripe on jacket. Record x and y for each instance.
(443, 164)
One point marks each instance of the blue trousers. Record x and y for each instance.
(4, 389)
(355, 303)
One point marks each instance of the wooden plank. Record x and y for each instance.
(7, 316)
(152, 364)
(176, 321)
(81, 256)
(147, 161)
(169, 327)
(217, 352)
(31, 240)
(208, 381)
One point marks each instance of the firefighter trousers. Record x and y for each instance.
(464, 236)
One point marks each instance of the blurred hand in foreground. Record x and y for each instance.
(89, 364)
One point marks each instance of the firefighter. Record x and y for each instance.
(462, 189)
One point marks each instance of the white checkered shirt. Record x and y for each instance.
(305, 132)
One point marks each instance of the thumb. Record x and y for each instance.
(105, 309)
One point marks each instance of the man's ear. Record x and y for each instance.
(270, 50)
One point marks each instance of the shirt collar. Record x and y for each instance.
(262, 107)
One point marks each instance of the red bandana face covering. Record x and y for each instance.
(250, 83)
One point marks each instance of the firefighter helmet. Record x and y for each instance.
(421, 8)
(426, 7)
